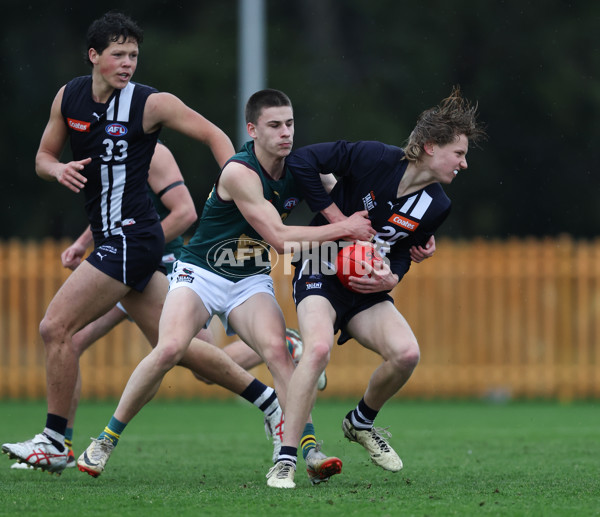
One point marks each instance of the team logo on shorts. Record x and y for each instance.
(313, 285)
(116, 129)
(241, 257)
(108, 248)
(184, 278)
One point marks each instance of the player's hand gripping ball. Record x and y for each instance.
(351, 260)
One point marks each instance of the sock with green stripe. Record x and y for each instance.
(308, 440)
(69, 438)
(113, 431)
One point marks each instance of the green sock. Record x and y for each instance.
(69, 438)
(113, 431)
(308, 440)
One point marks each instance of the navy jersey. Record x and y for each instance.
(113, 136)
(370, 173)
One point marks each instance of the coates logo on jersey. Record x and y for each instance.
(79, 125)
(116, 129)
(290, 203)
(403, 222)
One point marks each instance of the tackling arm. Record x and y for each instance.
(244, 187)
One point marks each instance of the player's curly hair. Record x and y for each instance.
(442, 124)
(112, 26)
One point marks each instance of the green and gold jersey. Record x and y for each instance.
(225, 243)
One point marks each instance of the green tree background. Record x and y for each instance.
(355, 69)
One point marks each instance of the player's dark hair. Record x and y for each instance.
(264, 99)
(111, 27)
(443, 124)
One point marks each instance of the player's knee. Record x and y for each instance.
(275, 351)
(52, 332)
(317, 354)
(168, 355)
(406, 356)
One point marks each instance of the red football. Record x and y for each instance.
(350, 261)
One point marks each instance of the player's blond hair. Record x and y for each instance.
(443, 124)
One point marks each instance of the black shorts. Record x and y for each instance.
(130, 256)
(346, 303)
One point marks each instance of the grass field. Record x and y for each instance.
(210, 458)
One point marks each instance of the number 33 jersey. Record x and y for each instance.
(112, 135)
(369, 174)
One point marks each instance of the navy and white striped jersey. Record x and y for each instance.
(113, 136)
(369, 174)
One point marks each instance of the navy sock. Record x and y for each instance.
(56, 427)
(288, 454)
(262, 396)
(362, 416)
(56, 423)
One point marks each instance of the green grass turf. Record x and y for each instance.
(210, 458)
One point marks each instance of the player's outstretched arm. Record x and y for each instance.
(164, 109)
(243, 186)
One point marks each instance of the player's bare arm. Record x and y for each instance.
(329, 181)
(73, 255)
(47, 161)
(164, 109)
(243, 186)
(332, 213)
(163, 174)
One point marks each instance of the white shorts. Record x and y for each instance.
(219, 295)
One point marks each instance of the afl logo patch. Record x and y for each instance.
(116, 130)
(290, 203)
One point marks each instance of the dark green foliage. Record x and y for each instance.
(355, 70)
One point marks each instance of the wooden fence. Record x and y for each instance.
(517, 318)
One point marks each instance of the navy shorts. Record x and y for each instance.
(346, 303)
(130, 256)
